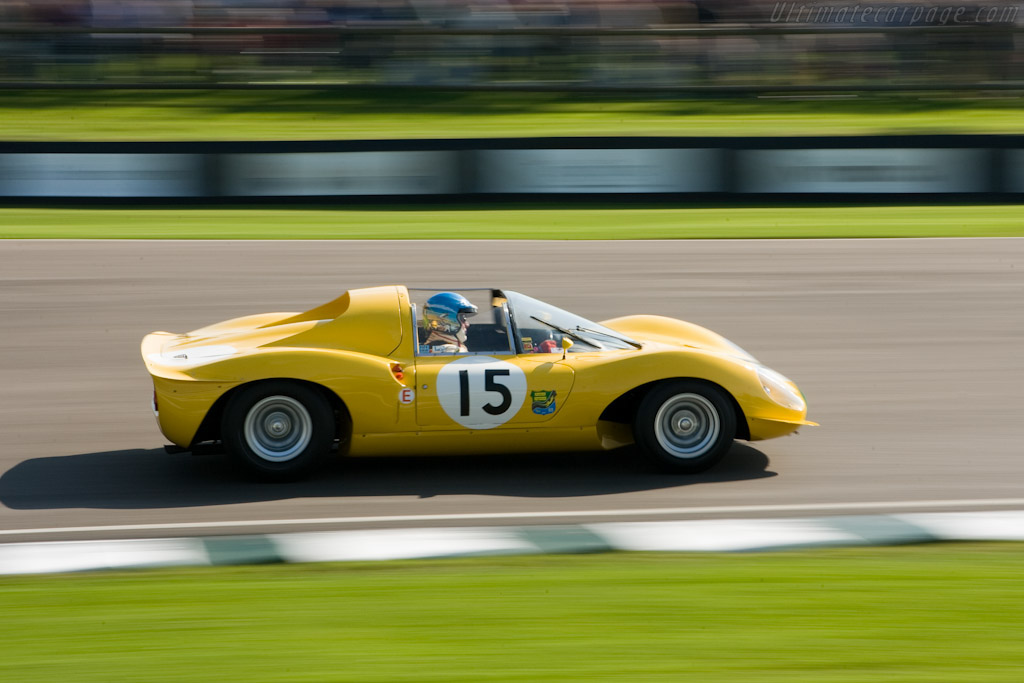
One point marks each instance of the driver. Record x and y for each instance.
(445, 319)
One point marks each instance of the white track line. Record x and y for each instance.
(468, 517)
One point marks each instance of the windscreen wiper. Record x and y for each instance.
(625, 340)
(568, 332)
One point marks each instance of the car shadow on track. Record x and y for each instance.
(147, 479)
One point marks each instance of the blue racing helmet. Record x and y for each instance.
(446, 312)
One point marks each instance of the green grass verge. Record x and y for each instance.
(923, 613)
(382, 114)
(533, 222)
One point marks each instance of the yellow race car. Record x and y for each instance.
(397, 371)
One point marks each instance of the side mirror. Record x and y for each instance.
(566, 345)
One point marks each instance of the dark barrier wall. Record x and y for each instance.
(687, 167)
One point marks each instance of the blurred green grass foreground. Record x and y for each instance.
(947, 612)
(381, 113)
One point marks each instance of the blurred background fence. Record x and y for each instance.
(679, 46)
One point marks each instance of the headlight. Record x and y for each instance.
(780, 389)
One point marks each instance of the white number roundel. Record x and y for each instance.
(481, 392)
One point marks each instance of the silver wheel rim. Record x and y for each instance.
(278, 428)
(687, 426)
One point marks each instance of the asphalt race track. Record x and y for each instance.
(909, 351)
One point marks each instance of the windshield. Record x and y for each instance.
(540, 328)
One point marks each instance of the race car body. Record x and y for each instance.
(392, 371)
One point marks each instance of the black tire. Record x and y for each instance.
(685, 426)
(279, 430)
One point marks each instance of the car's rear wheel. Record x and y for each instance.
(685, 426)
(278, 430)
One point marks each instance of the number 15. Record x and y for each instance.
(490, 385)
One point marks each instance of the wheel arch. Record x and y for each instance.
(209, 428)
(624, 408)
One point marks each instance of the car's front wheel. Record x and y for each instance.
(278, 430)
(685, 426)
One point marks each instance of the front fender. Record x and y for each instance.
(602, 380)
(673, 332)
